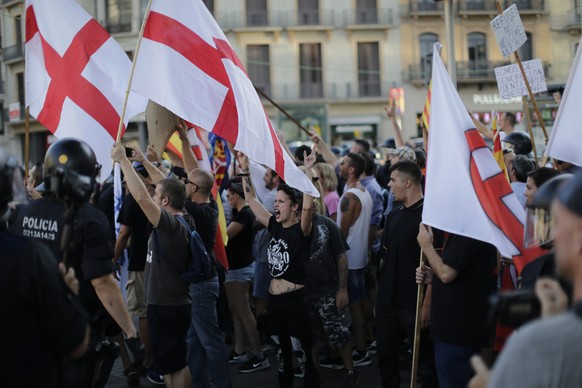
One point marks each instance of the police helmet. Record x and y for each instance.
(520, 142)
(70, 169)
(539, 219)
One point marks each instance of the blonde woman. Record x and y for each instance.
(328, 182)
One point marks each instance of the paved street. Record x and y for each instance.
(369, 377)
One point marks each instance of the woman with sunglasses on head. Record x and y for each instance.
(287, 314)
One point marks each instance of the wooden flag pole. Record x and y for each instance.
(529, 91)
(135, 55)
(283, 111)
(417, 327)
(529, 128)
(26, 144)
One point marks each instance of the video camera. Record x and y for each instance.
(514, 308)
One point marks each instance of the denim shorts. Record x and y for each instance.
(244, 274)
(356, 284)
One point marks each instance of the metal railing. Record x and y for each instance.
(368, 16)
(424, 7)
(335, 91)
(12, 52)
(313, 17)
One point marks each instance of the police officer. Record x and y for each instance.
(42, 319)
(70, 169)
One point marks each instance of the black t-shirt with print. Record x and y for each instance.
(239, 249)
(288, 252)
(459, 309)
(326, 247)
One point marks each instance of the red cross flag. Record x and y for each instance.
(187, 65)
(466, 192)
(76, 75)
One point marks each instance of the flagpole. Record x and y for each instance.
(525, 80)
(135, 55)
(26, 142)
(417, 327)
(529, 128)
(283, 111)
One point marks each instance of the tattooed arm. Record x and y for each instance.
(262, 215)
(347, 207)
(341, 297)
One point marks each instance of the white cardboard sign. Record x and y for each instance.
(508, 31)
(510, 81)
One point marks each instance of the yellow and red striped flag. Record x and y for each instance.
(425, 117)
(497, 149)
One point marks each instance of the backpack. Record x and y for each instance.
(201, 262)
(200, 266)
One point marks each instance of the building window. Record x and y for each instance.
(310, 71)
(308, 12)
(368, 69)
(257, 14)
(526, 50)
(477, 43)
(118, 15)
(366, 12)
(426, 43)
(258, 67)
(210, 5)
(474, 5)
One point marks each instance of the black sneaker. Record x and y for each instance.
(298, 372)
(132, 376)
(361, 358)
(154, 377)
(371, 347)
(255, 363)
(351, 380)
(235, 358)
(332, 363)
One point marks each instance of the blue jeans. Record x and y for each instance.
(453, 365)
(207, 355)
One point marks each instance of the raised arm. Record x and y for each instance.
(391, 113)
(136, 186)
(488, 133)
(188, 157)
(307, 210)
(323, 148)
(155, 174)
(262, 215)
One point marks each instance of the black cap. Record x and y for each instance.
(546, 193)
(570, 195)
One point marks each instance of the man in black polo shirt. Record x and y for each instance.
(463, 279)
(397, 290)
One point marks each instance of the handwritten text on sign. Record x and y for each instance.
(508, 31)
(510, 81)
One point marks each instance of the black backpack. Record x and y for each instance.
(200, 267)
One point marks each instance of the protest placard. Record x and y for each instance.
(510, 80)
(508, 31)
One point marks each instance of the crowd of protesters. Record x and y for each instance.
(324, 282)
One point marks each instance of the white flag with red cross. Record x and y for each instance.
(187, 65)
(466, 192)
(76, 76)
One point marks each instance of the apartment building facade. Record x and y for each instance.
(331, 64)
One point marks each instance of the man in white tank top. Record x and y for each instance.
(354, 222)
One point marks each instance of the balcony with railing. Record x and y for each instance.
(477, 7)
(13, 52)
(368, 17)
(256, 20)
(531, 6)
(309, 18)
(332, 92)
(418, 8)
(474, 71)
